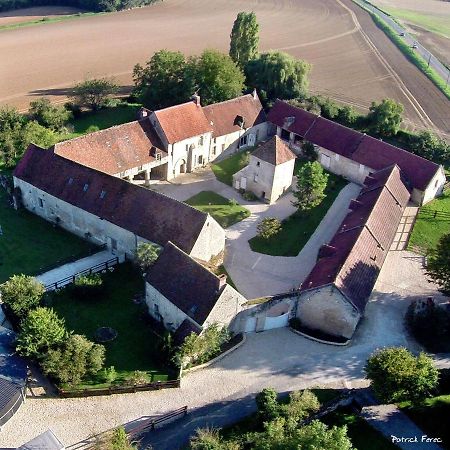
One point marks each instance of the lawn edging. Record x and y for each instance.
(321, 341)
(218, 357)
(410, 54)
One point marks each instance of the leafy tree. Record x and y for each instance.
(347, 115)
(267, 403)
(147, 254)
(163, 81)
(48, 115)
(279, 75)
(301, 405)
(311, 183)
(40, 331)
(268, 227)
(385, 118)
(438, 268)
(397, 375)
(21, 294)
(94, 93)
(216, 75)
(210, 439)
(244, 38)
(430, 146)
(37, 134)
(308, 151)
(199, 349)
(74, 360)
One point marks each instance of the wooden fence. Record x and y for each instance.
(92, 392)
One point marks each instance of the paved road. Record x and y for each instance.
(411, 40)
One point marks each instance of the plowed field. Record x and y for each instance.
(348, 64)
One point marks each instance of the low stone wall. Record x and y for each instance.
(307, 336)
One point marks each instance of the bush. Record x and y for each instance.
(74, 360)
(308, 151)
(109, 374)
(21, 294)
(41, 330)
(267, 403)
(147, 254)
(94, 94)
(397, 375)
(268, 227)
(87, 287)
(48, 115)
(249, 196)
(301, 405)
(200, 349)
(136, 378)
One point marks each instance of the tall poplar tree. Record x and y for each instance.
(244, 38)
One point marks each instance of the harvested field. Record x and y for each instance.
(37, 13)
(324, 32)
(429, 20)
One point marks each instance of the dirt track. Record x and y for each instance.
(46, 60)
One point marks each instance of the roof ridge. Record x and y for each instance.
(229, 100)
(175, 106)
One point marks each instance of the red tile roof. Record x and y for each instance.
(115, 149)
(351, 144)
(183, 121)
(144, 212)
(224, 116)
(356, 253)
(274, 151)
(184, 282)
(291, 118)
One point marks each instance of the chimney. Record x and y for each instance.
(255, 94)
(222, 280)
(143, 113)
(196, 99)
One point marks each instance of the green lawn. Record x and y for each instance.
(432, 418)
(298, 228)
(136, 347)
(225, 169)
(105, 118)
(362, 435)
(29, 243)
(219, 207)
(429, 229)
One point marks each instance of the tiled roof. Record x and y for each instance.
(291, 118)
(351, 144)
(115, 149)
(274, 151)
(146, 213)
(183, 121)
(354, 257)
(184, 282)
(225, 116)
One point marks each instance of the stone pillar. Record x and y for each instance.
(147, 177)
(278, 131)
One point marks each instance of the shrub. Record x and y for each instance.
(137, 377)
(147, 254)
(48, 115)
(267, 403)
(301, 405)
(397, 375)
(93, 94)
(88, 286)
(41, 330)
(268, 227)
(74, 360)
(233, 202)
(249, 196)
(109, 374)
(308, 151)
(200, 349)
(21, 294)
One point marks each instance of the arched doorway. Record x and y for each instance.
(180, 167)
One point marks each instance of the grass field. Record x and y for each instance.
(219, 207)
(429, 229)
(29, 243)
(225, 169)
(432, 417)
(298, 228)
(437, 23)
(136, 347)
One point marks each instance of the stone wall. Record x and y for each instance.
(210, 242)
(326, 309)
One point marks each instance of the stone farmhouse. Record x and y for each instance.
(107, 210)
(196, 299)
(352, 154)
(166, 143)
(270, 171)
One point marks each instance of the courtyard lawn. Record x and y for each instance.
(219, 207)
(429, 229)
(430, 417)
(29, 244)
(362, 435)
(136, 347)
(225, 169)
(299, 227)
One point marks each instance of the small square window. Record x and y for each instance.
(41, 202)
(258, 163)
(70, 181)
(85, 187)
(102, 194)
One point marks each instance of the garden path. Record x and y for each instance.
(70, 269)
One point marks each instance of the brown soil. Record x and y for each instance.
(48, 59)
(30, 14)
